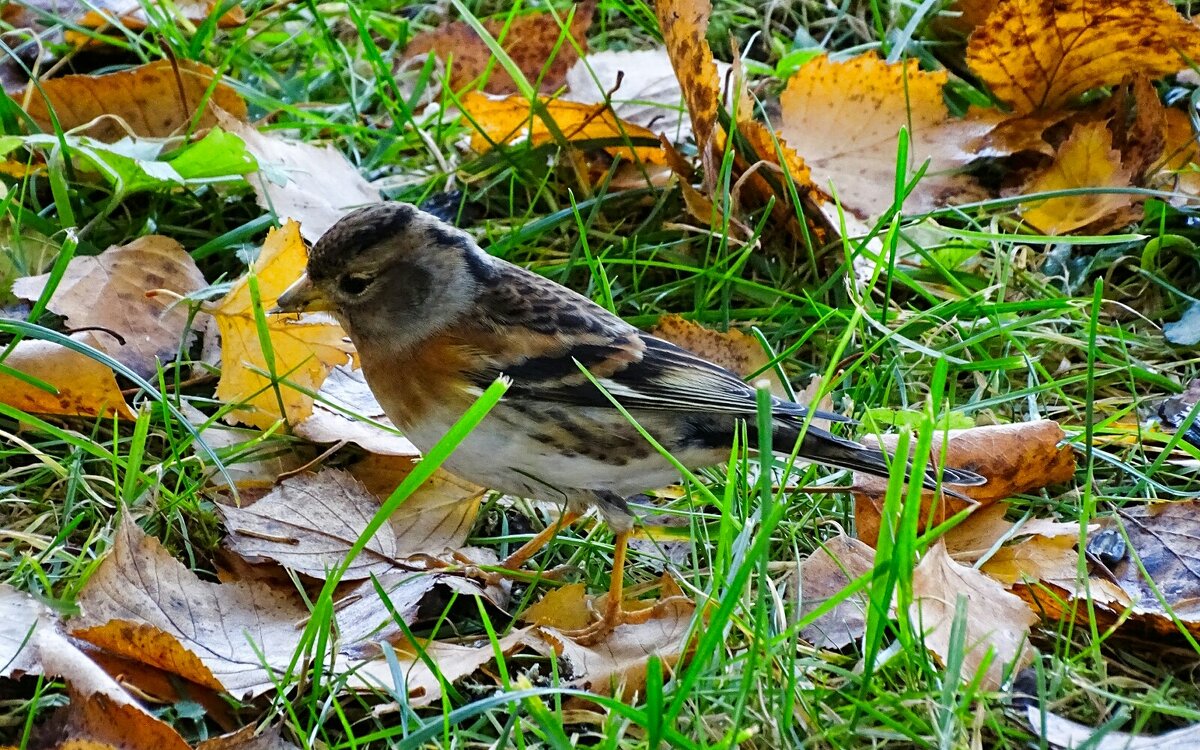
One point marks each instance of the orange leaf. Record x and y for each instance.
(511, 120)
(86, 388)
(1042, 54)
(1086, 159)
(150, 100)
(683, 24)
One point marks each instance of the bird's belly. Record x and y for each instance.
(545, 452)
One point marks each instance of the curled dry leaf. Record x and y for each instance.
(511, 120)
(22, 618)
(997, 622)
(155, 100)
(101, 712)
(1015, 458)
(737, 352)
(249, 737)
(823, 575)
(358, 418)
(109, 291)
(304, 351)
(534, 41)
(1042, 54)
(845, 118)
(311, 521)
(1060, 731)
(299, 181)
(1086, 159)
(86, 388)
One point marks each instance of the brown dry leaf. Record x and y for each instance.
(22, 618)
(249, 737)
(823, 575)
(737, 352)
(530, 41)
(131, 14)
(305, 351)
(143, 604)
(511, 120)
(617, 665)
(312, 185)
(1042, 54)
(109, 291)
(996, 620)
(152, 100)
(986, 527)
(845, 117)
(1015, 458)
(1086, 159)
(101, 711)
(310, 521)
(86, 388)
(1050, 559)
(1140, 127)
(347, 389)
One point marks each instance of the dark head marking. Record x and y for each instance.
(356, 232)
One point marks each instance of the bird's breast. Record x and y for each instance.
(422, 390)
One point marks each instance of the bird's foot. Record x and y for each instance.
(617, 615)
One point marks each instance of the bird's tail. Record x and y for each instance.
(826, 448)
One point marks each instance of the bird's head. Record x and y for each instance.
(392, 275)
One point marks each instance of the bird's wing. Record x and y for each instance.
(543, 332)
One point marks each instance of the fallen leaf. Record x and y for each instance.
(823, 575)
(850, 139)
(22, 618)
(737, 352)
(86, 388)
(617, 665)
(1062, 732)
(997, 622)
(358, 418)
(1015, 458)
(1086, 159)
(1180, 168)
(1139, 127)
(101, 711)
(109, 291)
(154, 100)
(302, 182)
(304, 351)
(684, 24)
(311, 521)
(563, 608)
(512, 120)
(534, 41)
(649, 94)
(1186, 330)
(131, 14)
(1043, 54)
(1050, 559)
(454, 662)
(249, 737)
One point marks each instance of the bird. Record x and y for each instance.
(435, 320)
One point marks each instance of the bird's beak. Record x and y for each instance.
(302, 296)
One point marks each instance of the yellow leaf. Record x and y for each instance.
(1086, 159)
(684, 24)
(85, 387)
(154, 100)
(1180, 170)
(304, 351)
(1042, 54)
(845, 117)
(511, 120)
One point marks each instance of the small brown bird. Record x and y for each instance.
(435, 320)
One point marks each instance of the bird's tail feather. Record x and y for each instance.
(827, 448)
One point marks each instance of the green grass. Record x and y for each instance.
(1020, 329)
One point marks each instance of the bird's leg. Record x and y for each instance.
(614, 614)
(522, 554)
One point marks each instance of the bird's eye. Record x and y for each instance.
(354, 284)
